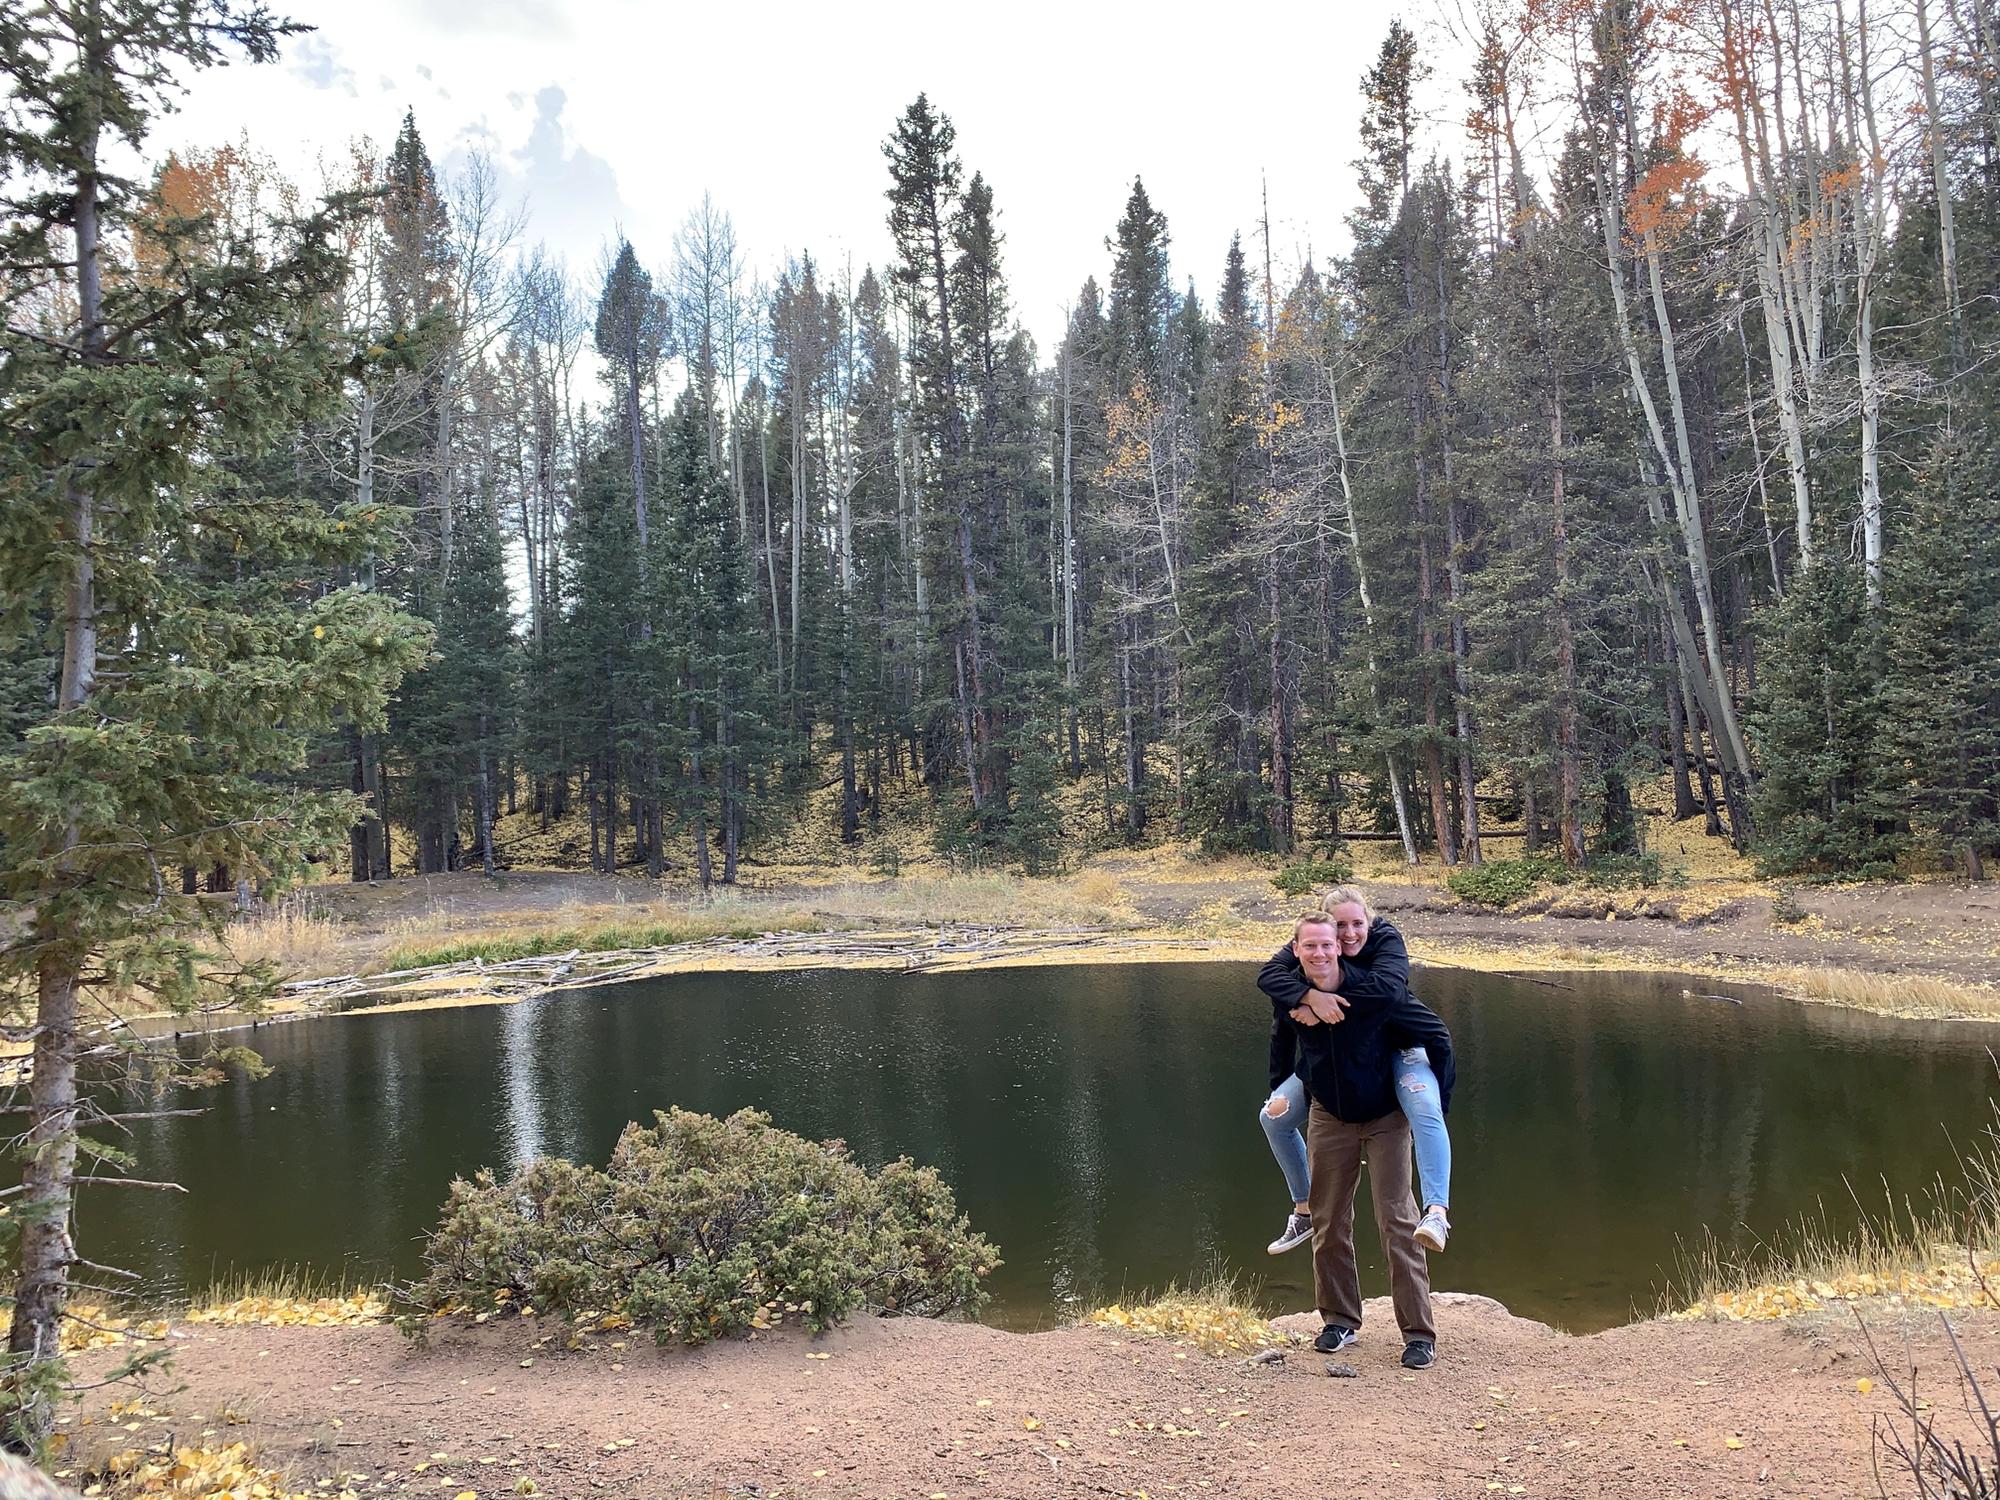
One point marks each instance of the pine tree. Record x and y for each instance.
(1223, 679)
(193, 673)
(1940, 685)
(1142, 298)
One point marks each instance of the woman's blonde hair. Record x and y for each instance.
(1343, 895)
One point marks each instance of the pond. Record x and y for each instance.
(1098, 1122)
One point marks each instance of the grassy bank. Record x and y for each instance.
(305, 939)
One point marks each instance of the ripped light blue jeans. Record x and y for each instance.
(1416, 1091)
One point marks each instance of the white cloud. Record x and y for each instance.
(541, 19)
(570, 192)
(613, 114)
(314, 59)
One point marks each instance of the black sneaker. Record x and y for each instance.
(1419, 1354)
(1333, 1338)
(1298, 1229)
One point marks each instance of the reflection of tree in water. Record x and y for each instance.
(522, 1101)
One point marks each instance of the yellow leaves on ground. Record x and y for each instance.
(1213, 1327)
(1944, 1283)
(296, 1312)
(196, 1473)
(90, 1326)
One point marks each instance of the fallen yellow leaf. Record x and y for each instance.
(1733, 1443)
(1033, 1424)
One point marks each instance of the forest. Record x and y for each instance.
(1644, 427)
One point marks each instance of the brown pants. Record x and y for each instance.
(1334, 1152)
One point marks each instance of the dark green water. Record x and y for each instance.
(1098, 1122)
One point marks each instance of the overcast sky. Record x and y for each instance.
(609, 115)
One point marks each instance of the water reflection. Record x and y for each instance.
(520, 1050)
(1098, 1123)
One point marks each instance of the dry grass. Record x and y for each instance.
(1095, 898)
(1915, 995)
(440, 938)
(297, 936)
(1934, 1250)
(1215, 1317)
(441, 935)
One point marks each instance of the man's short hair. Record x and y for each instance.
(1310, 919)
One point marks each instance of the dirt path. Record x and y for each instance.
(910, 1408)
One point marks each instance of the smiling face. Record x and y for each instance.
(1316, 945)
(1350, 927)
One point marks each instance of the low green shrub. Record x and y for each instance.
(1305, 876)
(1622, 871)
(1502, 882)
(699, 1228)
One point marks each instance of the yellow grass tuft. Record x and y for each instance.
(1942, 1251)
(350, 1311)
(1914, 995)
(287, 1297)
(1211, 1317)
(1099, 888)
(298, 936)
(1945, 1277)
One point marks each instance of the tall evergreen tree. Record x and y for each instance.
(193, 670)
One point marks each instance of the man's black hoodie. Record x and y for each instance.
(1348, 1067)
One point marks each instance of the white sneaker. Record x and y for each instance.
(1433, 1229)
(1298, 1229)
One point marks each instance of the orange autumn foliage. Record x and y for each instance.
(217, 195)
(1663, 200)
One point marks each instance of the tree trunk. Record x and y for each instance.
(1282, 818)
(1770, 284)
(1069, 566)
(485, 806)
(47, 1199)
(1685, 805)
(1367, 617)
(1693, 530)
(1569, 756)
(1940, 183)
(697, 811)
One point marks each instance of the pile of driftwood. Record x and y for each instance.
(910, 950)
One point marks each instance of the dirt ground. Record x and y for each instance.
(909, 1408)
(1949, 931)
